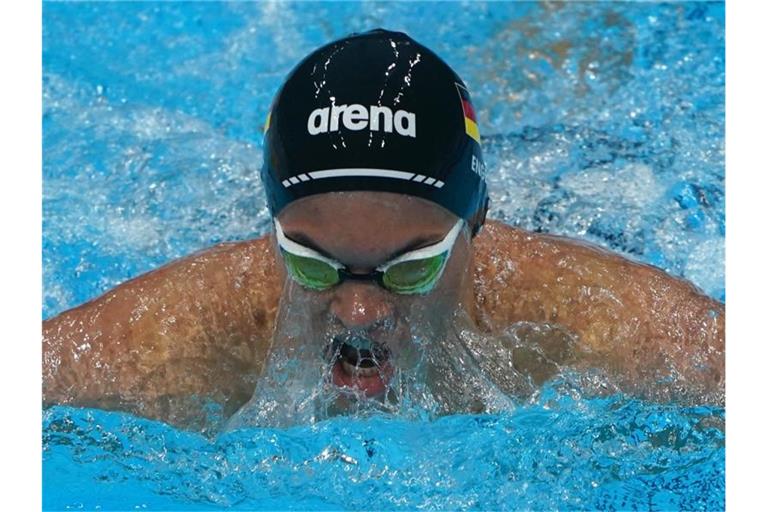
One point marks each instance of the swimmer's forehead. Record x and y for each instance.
(387, 207)
(371, 225)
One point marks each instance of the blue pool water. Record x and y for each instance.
(602, 121)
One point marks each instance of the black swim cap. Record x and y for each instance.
(375, 111)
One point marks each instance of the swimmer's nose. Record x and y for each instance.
(361, 305)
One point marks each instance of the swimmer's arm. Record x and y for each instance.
(655, 334)
(160, 344)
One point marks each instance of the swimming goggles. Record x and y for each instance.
(415, 272)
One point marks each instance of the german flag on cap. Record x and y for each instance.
(470, 121)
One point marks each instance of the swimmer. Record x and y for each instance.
(380, 253)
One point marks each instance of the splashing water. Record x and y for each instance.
(602, 121)
(418, 368)
(560, 451)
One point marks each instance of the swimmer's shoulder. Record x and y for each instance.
(498, 239)
(252, 270)
(524, 276)
(496, 236)
(198, 327)
(514, 255)
(500, 248)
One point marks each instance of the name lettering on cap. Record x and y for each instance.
(478, 167)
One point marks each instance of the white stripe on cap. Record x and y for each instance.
(354, 172)
(376, 173)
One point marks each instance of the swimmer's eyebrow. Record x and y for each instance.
(417, 243)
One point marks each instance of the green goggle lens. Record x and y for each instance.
(311, 272)
(414, 276)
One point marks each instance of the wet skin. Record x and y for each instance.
(199, 328)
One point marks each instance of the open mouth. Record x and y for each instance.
(359, 364)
